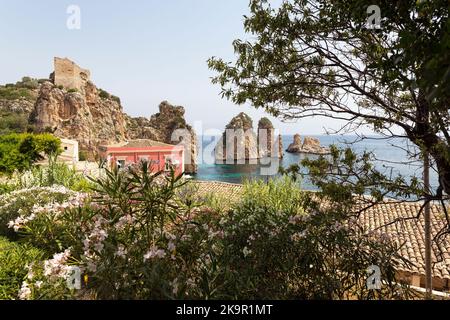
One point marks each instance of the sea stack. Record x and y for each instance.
(310, 145)
(268, 147)
(239, 142)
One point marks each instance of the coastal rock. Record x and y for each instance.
(265, 137)
(268, 146)
(84, 117)
(296, 146)
(280, 146)
(309, 145)
(168, 126)
(239, 141)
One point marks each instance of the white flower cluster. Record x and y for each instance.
(54, 268)
(25, 291)
(295, 220)
(298, 236)
(54, 209)
(57, 267)
(20, 222)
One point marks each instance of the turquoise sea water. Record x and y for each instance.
(389, 153)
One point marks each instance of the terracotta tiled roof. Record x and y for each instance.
(230, 190)
(388, 217)
(140, 143)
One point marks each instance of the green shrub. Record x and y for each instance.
(72, 90)
(103, 94)
(13, 123)
(55, 173)
(116, 99)
(28, 83)
(14, 258)
(82, 155)
(14, 93)
(279, 243)
(6, 187)
(20, 151)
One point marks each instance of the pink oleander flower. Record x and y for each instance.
(25, 291)
(121, 251)
(295, 219)
(298, 236)
(20, 222)
(57, 266)
(124, 221)
(154, 252)
(171, 246)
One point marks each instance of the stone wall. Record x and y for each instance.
(69, 75)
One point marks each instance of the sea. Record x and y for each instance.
(391, 158)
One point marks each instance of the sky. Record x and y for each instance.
(144, 51)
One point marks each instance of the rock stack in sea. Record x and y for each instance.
(267, 146)
(239, 141)
(309, 145)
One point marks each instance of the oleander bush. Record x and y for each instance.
(139, 235)
(20, 204)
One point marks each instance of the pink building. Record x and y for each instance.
(160, 155)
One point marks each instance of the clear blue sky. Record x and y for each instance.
(142, 51)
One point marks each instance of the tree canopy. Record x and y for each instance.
(20, 151)
(319, 58)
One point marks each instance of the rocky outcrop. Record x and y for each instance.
(265, 137)
(93, 117)
(168, 126)
(268, 146)
(309, 145)
(20, 105)
(238, 142)
(82, 116)
(296, 145)
(280, 146)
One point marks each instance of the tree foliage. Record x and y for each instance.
(20, 151)
(318, 58)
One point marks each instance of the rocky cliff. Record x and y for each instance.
(80, 115)
(93, 117)
(169, 126)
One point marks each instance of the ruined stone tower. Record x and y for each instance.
(69, 75)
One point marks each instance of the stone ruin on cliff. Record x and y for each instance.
(69, 75)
